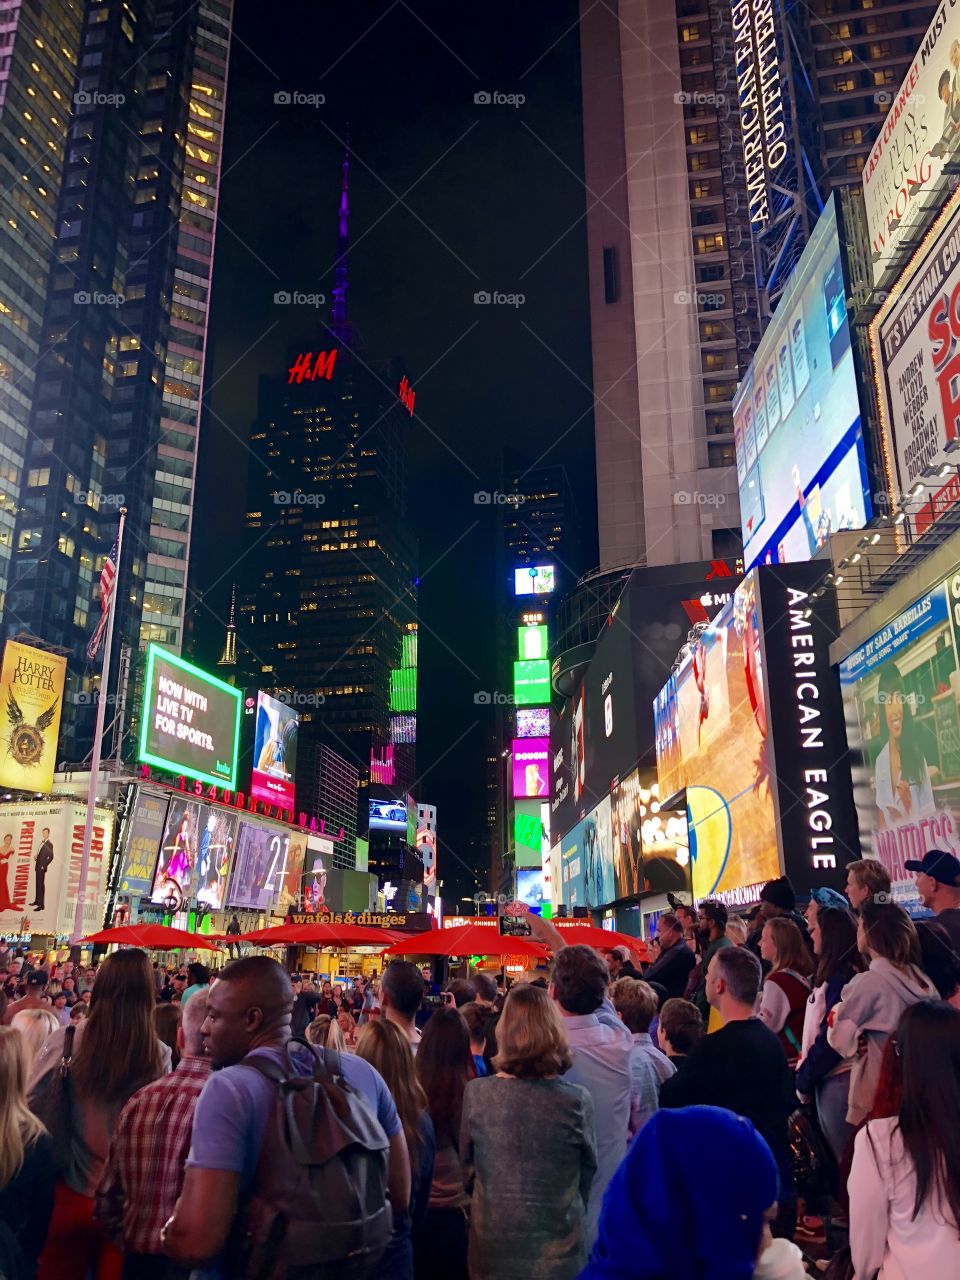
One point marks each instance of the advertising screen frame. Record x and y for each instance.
(803, 376)
(543, 573)
(146, 756)
(265, 785)
(530, 761)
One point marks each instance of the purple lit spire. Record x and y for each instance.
(340, 325)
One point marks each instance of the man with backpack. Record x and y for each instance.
(307, 1149)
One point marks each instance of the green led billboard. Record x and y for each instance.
(527, 840)
(403, 690)
(190, 721)
(531, 683)
(531, 643)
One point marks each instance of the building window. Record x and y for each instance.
(708, 244)
(701, 190)
(844, 84)
(721, 455)
(842, 56)
(689, 33)
(611, 290)
(38, 477)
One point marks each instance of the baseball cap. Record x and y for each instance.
(940, 866)
(37, 978)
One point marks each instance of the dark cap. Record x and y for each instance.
(37, 978)
(940, 866)
(779, 893)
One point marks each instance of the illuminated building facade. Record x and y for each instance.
(115, 411)
(698, 208)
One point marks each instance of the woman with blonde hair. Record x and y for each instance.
(325, 1032)
(35, 1025)
(348, 1028)
(26, 1157)
(385, 1047)
(115, 1052)
(528, 1139)
(786, 988)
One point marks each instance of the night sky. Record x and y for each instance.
(448, 197)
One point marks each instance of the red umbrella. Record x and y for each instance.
(466, 940)
(589, 935)
(156, 937)
(320, 934)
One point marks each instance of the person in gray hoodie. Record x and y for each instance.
(871, 1003)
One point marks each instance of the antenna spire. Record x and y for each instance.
(341, 326)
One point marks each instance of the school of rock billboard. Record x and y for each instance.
(917, 343)
(901, 698)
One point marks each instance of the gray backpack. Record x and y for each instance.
(319, 1197)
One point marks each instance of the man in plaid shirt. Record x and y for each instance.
(144, 1171)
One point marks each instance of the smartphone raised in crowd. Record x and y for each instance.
(515, 926)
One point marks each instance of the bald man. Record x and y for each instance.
(248, 1013)
(144, 1169)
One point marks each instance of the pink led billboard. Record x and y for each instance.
(531, 767)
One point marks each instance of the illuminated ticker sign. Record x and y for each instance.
(312, 368)
(408, 397)
(759, 97)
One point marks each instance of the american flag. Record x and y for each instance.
(108, 575)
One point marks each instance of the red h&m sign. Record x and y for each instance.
(408, 396)
(310, 368)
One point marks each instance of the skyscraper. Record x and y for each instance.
(115, 413)
(39, 49)
(328, 606)
(711, 140)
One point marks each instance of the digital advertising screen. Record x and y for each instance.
(533, 722)
(274, 751)
(257, 875)
(388, 815)
(597, 858)
(531, 683)
(190, 720)
(144, 833)
(215, 849)
(531, 767)
(722, 734)
(531, 643)
(801, 463)
(175, 875)
(901, 699)
(530, 887)
(528, 833)
(605, 729)
(534, 580)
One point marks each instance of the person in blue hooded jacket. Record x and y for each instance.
(660, 1219)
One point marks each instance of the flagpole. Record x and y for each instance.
(97, 747)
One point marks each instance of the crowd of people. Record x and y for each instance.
(761, 1089)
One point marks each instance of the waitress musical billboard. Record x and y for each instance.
(901, 698)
